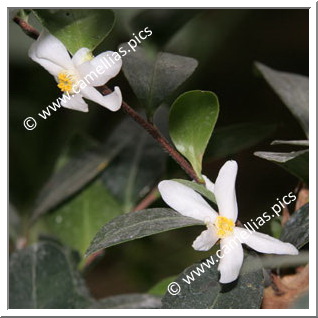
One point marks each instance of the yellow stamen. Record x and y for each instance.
(65, 82)
(224, 226)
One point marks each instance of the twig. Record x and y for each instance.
(26, 27)
(148, 126)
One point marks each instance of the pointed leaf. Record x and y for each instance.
(134, 225)
(154, 78)
(79, 171)
(295, 162)
(291, 142)
(192, 119)
(77, 28)
(43, 276)
(76, 222)
(293, 90)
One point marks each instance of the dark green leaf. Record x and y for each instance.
(161, 287)
(134, 225)
(43, 276)
(295, 162)
(232, 139)
(296, 229)
(192, 119)
(154, 78)
(77, 28)
(304, 143)
(79, 171)
(136, 169)
(129, 301)
(76, 222)
(206, 292)
(163, 23)
(199, 188)
(293, 90)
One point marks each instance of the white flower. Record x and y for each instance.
(189, 203)
(74, 75)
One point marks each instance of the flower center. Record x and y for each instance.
(224, 226)
(66, 81)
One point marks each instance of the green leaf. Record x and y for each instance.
(206, 292)
(135, 225)
(154, 77)
(79, 171)
(232, 139)
(191, 122)
(295, 162)
(293, 90)
(76, 222)
(199, 188)
(77, 28)
(129, 301)
(43, 276)
(296, 229)
(161, 287)
(136, 169)
(163, 23)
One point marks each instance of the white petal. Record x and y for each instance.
(81, 56)
(186, 201)
(50, 53)
(205, 240)
(111, 101)
(208, 184)
(100, 69)
(224, 190)
(231, 260)
(76, 102)
(264, 243)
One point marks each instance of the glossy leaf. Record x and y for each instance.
(296, 229)
(293, 90)
(128, 301)
(77, 28)
(232, 139)
(154, 77)
(198, 188)
(76, 222)
(43, 276)
(295, 162)
(206, 292)
(79, 171)
(192, 119)
(135, 225)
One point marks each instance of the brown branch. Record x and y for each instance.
(148, 126)
(27, 28)
(156, 134)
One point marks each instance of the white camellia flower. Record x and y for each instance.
(77, 76)
(221, 226)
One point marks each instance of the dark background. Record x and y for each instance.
(226, 43)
